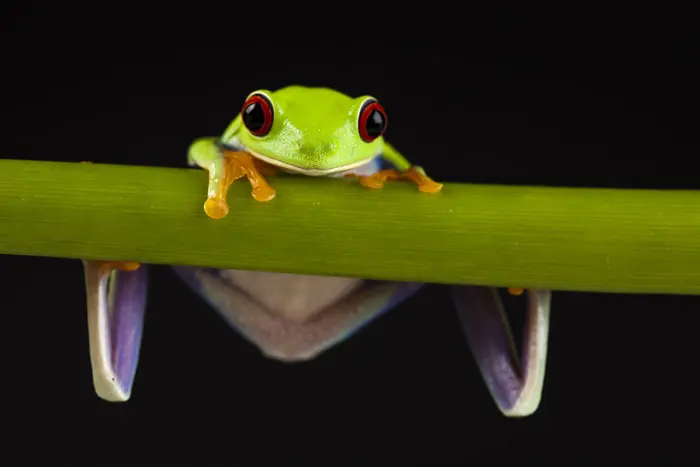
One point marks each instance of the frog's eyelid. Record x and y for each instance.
(264, 94)
(366, 100)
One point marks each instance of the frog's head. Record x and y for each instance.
(314, 131)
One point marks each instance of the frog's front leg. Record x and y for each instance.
(116, 302)
(206, 154)
(403, 171)
(265, 169)
(241, 163)
(414, 174)
(515, 382)
(224, 168)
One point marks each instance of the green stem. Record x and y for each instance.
(640, 241)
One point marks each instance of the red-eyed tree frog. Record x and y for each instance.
(309, 132)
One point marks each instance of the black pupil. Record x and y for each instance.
(375, 124)
(254, 116)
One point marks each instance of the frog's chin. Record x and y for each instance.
(306, 171)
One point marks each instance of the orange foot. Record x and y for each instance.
(109, 266)
(516, 291)
(237, 165)
(414, 174)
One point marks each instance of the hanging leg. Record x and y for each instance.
(515, 381)
(116, 300)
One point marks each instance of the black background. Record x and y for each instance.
(535, 96)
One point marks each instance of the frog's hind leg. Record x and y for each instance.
(116, 302)
(515, 382)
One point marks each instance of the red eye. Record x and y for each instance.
(372, 122)
(257, 114)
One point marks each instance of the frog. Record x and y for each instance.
(312, 131)
(316, 132)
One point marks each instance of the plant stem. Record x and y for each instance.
(638, 241)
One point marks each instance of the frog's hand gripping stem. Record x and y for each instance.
(401, 170)
(515, 386)
(116, 302)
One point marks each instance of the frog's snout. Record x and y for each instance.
(317, 156)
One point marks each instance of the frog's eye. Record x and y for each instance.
(372, 122)
(257, 114)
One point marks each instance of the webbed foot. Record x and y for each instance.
(514, 381)
(236, 165)
(116, 301)
(414, 174)
(241, 163)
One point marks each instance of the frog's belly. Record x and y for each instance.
(293, 317)
(291, 297)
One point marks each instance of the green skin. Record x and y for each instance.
(314, 132)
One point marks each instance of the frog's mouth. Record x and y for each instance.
(236, 146)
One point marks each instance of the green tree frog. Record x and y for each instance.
(301, 130)
(291, 317)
